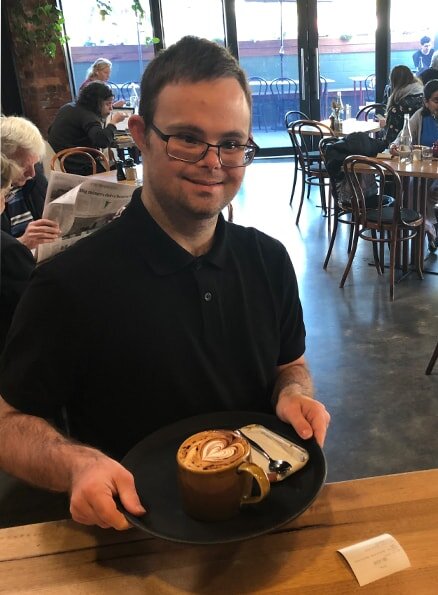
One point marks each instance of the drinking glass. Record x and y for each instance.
(426, 154)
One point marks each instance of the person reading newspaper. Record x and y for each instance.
(167, 312)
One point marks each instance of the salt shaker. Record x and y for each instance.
(130, 171)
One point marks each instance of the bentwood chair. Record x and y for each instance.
(259, 89)
(432, 362)
(290, 117)
(342, 211)
(89, 153)
(370, 87)
(284, 93)
(305, 136)
(381, 225)
(369, 111)
(115, 88)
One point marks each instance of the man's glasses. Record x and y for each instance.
(185, 147)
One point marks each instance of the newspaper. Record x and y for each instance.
(80, 205)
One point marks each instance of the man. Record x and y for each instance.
(167, 312)
(21, 141)
(81, 124)
(423, 56)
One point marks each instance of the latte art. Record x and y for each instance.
(212, 449)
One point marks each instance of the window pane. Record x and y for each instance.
(267, 38)
(202, 18)
(119, 37)
(407, 28)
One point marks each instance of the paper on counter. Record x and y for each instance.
(375, 558)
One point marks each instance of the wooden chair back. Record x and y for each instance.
(88, 152)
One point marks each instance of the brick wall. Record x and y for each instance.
(43, 82)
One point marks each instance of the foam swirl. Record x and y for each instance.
(212, 449)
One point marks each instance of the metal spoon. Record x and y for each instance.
(275, 465)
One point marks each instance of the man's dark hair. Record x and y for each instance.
(93, 95)
(429, 89)
(191, 60)
(425, 39)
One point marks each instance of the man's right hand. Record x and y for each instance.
(41, 231)
(96, 480)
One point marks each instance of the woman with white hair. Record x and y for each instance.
(21, 142)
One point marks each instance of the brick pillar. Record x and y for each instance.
(43, 82)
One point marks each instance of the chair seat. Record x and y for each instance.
(372, 201)
(408, 216)
(317, 169)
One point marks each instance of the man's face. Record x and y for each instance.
(426, 47)
(432, 103)
(107, 107)
(211, 111)
(27, 161)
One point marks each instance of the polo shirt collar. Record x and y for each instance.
(163, 254)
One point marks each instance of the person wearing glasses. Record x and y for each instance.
(167, 312)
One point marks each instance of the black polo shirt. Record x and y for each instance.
(131, 332)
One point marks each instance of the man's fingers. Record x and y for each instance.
(129, 497)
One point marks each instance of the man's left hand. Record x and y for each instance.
(308, 416)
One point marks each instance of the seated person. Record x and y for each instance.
(16, 261)
(424, 131)
(406, 97)
(21, 142)
(81, 123)
(431, 72)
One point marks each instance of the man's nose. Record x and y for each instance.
(211, 157)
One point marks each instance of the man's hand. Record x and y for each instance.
(117, 117)
(294, 402)
(95, 482)
(307, 416)
(119, 103)
(41, 231)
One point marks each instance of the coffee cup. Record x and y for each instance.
(216, 475)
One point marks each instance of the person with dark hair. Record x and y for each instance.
(406, 97)
(423, 56)
(82, 124)
(424, 130)
(432, 72)
(167, 312)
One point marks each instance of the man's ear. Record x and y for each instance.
(137, 130)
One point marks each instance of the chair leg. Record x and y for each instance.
(432, 362)
(332, 239)
(351, 257)
(303, 190)
(393, 248)
(294, 183)
(322, 195)
(419, 262)
(375, 253)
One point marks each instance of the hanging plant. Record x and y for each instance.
(41, 26)
(105, 10)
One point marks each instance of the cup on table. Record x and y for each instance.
(216, 476)
(416, 153)
(427, 154)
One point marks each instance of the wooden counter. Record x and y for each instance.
(64, 557)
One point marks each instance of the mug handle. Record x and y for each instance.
(261, 478)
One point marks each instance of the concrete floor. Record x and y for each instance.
(367, 355)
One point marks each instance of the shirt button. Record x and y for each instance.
(207, 296)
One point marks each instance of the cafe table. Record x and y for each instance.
(414, 178)
(300, 557)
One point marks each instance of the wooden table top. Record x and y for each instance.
(415, 169)
(301, 557)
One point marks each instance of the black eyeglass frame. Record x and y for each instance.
(249, 145)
